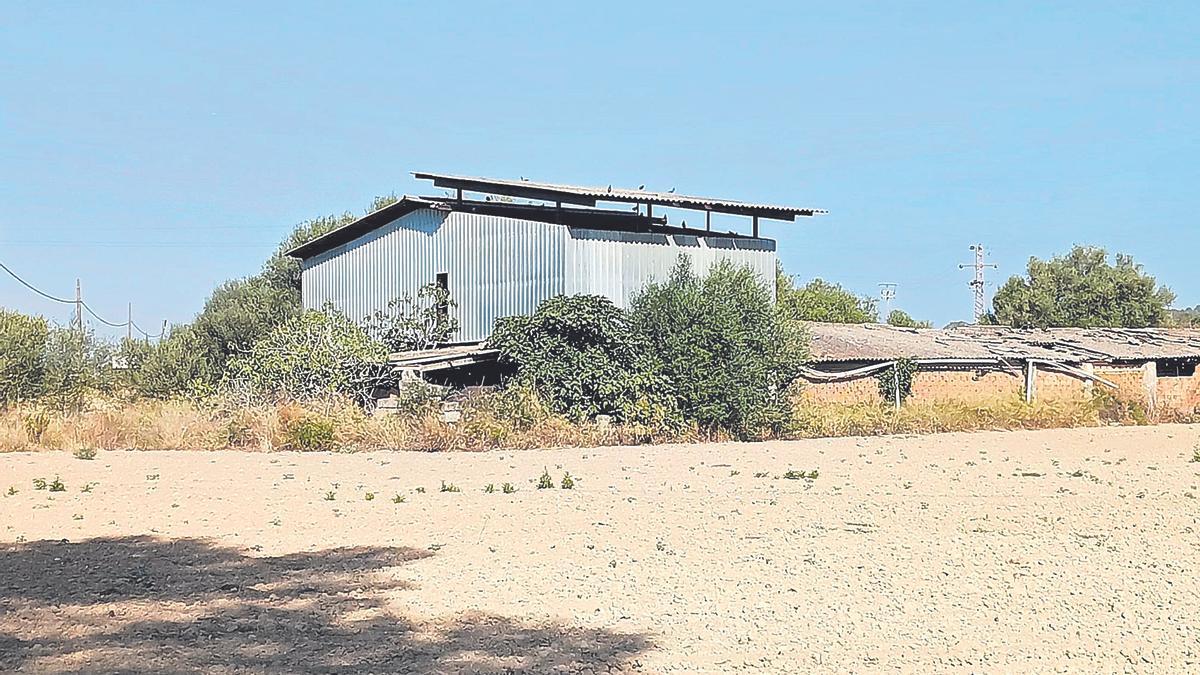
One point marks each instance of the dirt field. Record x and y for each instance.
(1042, 551)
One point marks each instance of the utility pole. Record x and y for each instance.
(887, 293)
(977, 284)
(129, 324)
(78, 306)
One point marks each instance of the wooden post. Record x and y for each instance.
(78, 306)
(708, 221)
(1030, 381)
(756, 227)
(895, 381)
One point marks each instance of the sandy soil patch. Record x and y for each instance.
(1070, 550)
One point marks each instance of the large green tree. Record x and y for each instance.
(725, 351)
(1082, 289)
(820, 300)
(237, 315)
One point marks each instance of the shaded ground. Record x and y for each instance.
(1069, 550)
(147, 605)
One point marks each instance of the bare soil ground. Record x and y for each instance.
(1070, 550)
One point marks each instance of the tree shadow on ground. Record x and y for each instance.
(144, 604)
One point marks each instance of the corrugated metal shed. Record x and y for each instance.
(497, 266)
(874, 342)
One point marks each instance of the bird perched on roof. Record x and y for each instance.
(524, 179)
(641, 187)
(610, 188)
(671, 191)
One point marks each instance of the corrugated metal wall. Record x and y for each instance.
(500, 266)
(619, 264)
(496, 267)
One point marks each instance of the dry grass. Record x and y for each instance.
(823, 420)
(488, 422)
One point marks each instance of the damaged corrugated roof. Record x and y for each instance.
(875, 342)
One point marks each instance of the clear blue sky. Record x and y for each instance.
(155, 150)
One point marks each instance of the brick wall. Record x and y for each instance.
(861, 390)
(1178, 395)
(964, 386)
(1168, 396)
(1130, 381)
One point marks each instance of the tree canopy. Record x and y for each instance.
(1082, 289)
(820, 300)
(903, 319)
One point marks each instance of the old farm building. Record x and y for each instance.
(499, 257)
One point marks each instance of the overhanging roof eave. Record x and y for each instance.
(588, 196)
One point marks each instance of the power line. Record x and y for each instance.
(31, 287)
(79, 303)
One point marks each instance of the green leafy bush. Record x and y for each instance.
(820, 300)
(310, 355)
(309, 433)
(22, 356)
(77, 366)
(409, 323)
(177, 365)
(897, 380)
(902, 319)
(583, 358)
(727, 354)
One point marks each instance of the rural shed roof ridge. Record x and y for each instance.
(357, 228)
(589, 195)
(869, 342)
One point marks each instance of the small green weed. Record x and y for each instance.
(568, 483)
(489, 488)
(84, 453)
(77, 516)
(450, 487)
(545, 482)
(398, 499)
(420, 490)
(734, 473)
(39, 483)
(761, 474)
(508, 488)
(330, 496)
(57, 485)
(1196, 453)
(151, 476)
(792, 474)
(12, 490)
(87, 487)
(370, 496)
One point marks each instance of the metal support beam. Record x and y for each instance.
(708, 221)
(755, 226)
